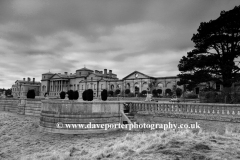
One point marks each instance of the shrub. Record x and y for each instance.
(191, 95)
(144, 92)
(117, 91)
(127, 91)
(75, 95)
(70, 94)
(89, 94)
(31, 94)
(131, 95)
(154, 92)
(168, 92)
(62, 95)
(104, 95)
(110, 93)
(141, 95)
(84, 95)
(178, 92)
(159, 91)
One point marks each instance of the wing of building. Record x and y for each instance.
(21, 87)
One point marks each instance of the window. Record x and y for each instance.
(80, 73)
(218, 86)
(101, 86)
(78, 87)
(82, 87)
(91, 78)
(94, 86)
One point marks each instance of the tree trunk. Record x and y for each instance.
(227, 94)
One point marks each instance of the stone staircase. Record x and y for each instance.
(131, 118)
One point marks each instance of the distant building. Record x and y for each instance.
(96, 80)
(21, 87)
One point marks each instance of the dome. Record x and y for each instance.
(84, 69)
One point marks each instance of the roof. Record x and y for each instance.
(103, 75)
(48, 73)
(138, 73)
(168, 77)
(84, 69)
(22, 81)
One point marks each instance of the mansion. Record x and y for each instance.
(82, 79)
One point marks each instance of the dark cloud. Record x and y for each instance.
(124, 35)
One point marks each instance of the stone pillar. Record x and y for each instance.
(60, 86)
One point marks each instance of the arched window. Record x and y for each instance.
(112, 87)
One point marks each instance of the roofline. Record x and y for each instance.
(137, 72)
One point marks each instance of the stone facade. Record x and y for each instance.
(21, 87)
(96, 80)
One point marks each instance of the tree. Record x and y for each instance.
(178, 92)
(127, 91)
(117, 91)
(8, 92)
(84, 95)
(144, 92)
(217, 45)
(70, 94)
(31, 94)
(75, 95)
(89, 94)
(110, 93)
(159, 91)
(104, 95)
(154, 92)
(168, 92)
(62, 95)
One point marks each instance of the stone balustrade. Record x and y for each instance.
(187, 108)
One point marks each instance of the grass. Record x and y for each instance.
(20, 139)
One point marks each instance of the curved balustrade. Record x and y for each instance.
(187, 108)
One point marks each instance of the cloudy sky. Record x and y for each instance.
(149, 36)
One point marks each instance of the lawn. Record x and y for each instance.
(20, 139)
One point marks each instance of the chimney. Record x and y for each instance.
(66, 73)
(23, 79)
(105, 71)
(29, 79)
(33, 80)
(110, 73)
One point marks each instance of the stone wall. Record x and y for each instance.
(33, 107)
(55, 112)
(9, 105)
